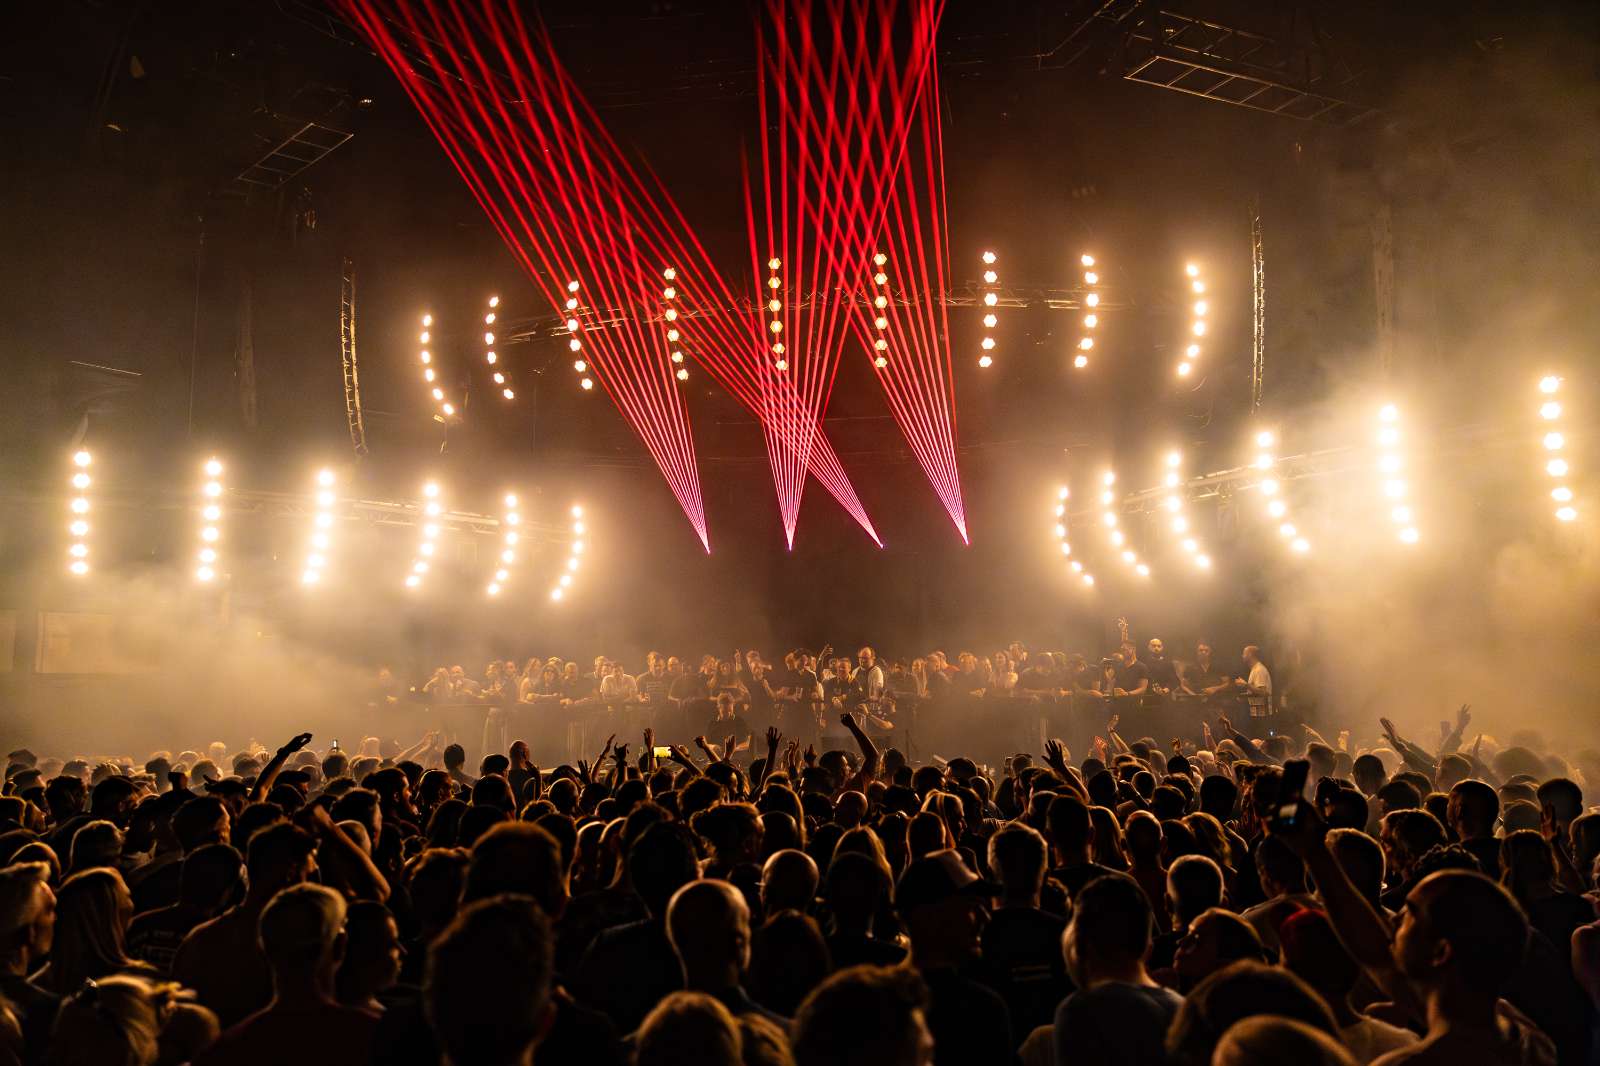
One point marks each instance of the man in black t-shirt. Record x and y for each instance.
(1133, 677)
(1201, 677)
(1163, 674)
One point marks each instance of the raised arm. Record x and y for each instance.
(345, 858)
(1364, 932)
(869, 752)
(269, 773)
(1055, 757)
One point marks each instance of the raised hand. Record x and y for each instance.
(1111, 726)
(811, 755)
(649, 738)
(621, 754)
(1464, 716)
(583, 771)
(1055, 753)
(728, 748)
(296, 743)
(773, 738)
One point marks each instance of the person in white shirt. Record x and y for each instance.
(1258, 685)
(617, 686)
(869, 679)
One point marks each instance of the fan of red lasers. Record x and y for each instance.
(852, 188)
(571, 207)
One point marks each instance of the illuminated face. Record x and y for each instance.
(1156, 648)
(1203, 653)
(866, 657)
(1129, 652)
(1415, 945)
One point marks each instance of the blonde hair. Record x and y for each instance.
(89, 936)
(115, 1021)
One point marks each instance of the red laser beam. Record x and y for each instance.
(841, 120)
(565, 198)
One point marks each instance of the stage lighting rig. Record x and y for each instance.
(78, 508)
(210, 520)
(1091, 316)
(991, 298)
(1391, 465)
(320, 544)
(575, 552)
(1064, 494)
(1554, 442)
(1197, 323)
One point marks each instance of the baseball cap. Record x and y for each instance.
(936, 877)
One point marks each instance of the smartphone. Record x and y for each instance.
(1291, 790)
(663, 752)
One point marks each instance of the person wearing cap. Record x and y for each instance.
(944, 906)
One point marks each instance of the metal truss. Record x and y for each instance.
(1236, 66)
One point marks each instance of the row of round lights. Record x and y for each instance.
(1091, 317)
(321, 539)
(431, 375)
(990, 299)
(1173, 480)
(674, 335)
(1277, 509)
(1197, 326)
(510, 519)
(1390, 463)
(780, 360)
(575, 341)
(1556, 466)
(880, 308)
(210, 520)
(431, 510)
(489, 355)
(1119, 540)
(564, 582)
(78, 524)
(1064, 494)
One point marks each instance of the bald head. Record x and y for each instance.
(709, 926)
(850, 808)
(788, 882)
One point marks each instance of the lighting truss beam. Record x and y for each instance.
(1234, 66)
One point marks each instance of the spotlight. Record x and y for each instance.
(81, 458)
(587, 384)
(1567, 514)
(1549, 384)
(1560, 494)
(1409, 535)
(1553, 442)
(990, 299)
(1555, 468)
(1550, 411)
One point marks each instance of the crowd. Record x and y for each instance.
(1213, 899)
(804, 694)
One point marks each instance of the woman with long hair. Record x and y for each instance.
(93, 908)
